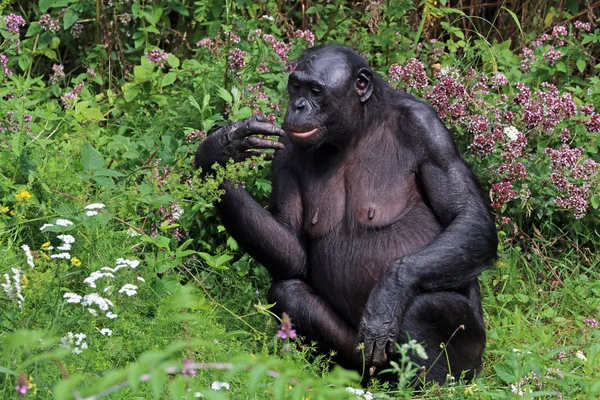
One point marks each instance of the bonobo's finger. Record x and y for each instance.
(260, 118)
(253, 142)
(391, 349)
(253, 127)
(379, 356)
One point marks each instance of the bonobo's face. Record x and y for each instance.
(322, 93)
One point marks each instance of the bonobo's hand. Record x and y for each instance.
(236, 141)
(378, 329)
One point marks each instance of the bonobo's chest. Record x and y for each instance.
(364, 191)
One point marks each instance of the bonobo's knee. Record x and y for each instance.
(287, 292)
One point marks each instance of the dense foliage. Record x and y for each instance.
(115, 270)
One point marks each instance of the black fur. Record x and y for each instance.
(377, 229)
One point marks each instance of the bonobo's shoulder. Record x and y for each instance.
(421, 122)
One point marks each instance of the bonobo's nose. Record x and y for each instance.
(299, 104)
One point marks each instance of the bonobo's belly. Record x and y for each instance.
(347, 261)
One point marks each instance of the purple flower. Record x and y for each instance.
(590, 322)
(13, 21)
(49, 24)
(236, 60)
(157, 56)
(187, 369)
(502, 193)
(285, 330)
(552, 55)
(4, 64)
(306, 35)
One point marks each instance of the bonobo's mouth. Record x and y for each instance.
(304, 135)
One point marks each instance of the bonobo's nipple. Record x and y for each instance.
(371, 212)
(315, 218)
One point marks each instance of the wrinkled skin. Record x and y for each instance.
(376, 231)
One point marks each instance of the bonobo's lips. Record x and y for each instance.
(304, 135)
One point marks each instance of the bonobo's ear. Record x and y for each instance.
(364, 85)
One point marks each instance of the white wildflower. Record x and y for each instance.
(268, 18)
(63, 222)
(67, 241)
(72, 298)
(28, 254)
(74, 340)
(66, 256)
(129, 289)
(45, 226)
(111, 315)
(105, 332)
(360, 393)
(511, 132)
(13, 289)
(122, 262)
(176, 211)
(94, 276)
(581, 356)
(139, 278)
(95, 298)
(198, 394)
(93, 312)
(91, 213)
(132, 232)
(95, 206)
(216, 385)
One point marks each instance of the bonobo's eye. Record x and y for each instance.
(294, 86)
(315, 91)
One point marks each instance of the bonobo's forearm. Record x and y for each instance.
(261, 235)
(465, 248)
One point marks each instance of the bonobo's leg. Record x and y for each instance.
(433, 317)
(313, 318)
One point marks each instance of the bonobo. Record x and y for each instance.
(376, 230)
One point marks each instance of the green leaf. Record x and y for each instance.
(173, 61)
(130, 91)
(24, 62)
(194, 103)
(34, 29)
(169, 78)
(225, 95)
(595, 200)
(91, 159)
(70, 18)
(107, 172)
(505, 372)
(581, 64)
(63, 390)
(560, 66)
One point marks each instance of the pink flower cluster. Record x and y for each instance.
(13, 22)
(501, 194)
(58, 72)
(69, 97)
(49, 24)
(285, 330)
(306, 35)
(236, 60)
(157, 56)
(441, 95)
(412, 74)
(280, 48)
(4, 65)
(567, 165)
(584, 26)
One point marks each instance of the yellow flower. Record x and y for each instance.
(45, 246)
(4, 209)
(31, 385)
(23, 195)
(470, 389)
(24, 282)
(76, 261)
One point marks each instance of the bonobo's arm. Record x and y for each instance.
(272, 242)
(466, 246)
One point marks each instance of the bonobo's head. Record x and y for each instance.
(328, 90)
